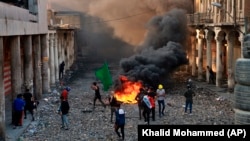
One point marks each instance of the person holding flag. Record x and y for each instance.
(104, 76)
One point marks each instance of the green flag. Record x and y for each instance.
(104, 76)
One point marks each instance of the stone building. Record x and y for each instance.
(61, 41)
(217, 30)
(31, 49)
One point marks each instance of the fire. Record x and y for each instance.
(128, 90)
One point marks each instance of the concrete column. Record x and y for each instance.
(200, 45)
(64, 57)
(209, 38)
(70, 49)
(67, 48)
(45, 65)
(2, 95)
(193, 57)
(241, 37)
(219, 62)
(15, 66)
(48, 52)
(28, 64)
(59, 51)
(230, 60)
(51, 59)
(37, 67)
(56, 58)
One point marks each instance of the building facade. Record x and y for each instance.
(31, 49)
(217, 31)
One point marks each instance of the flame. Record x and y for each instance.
(128, 90)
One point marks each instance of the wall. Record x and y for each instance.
(18, 21)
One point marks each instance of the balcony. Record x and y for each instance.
(210, 19)
(198, 19)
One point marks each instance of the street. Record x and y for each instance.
(87, 124)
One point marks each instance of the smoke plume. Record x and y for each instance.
(113, 29)
(161, 53)
(146, 37)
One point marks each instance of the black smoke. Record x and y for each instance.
(162, 51)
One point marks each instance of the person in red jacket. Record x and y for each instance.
(65, 93)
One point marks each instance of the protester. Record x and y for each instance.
(96, 88)
(61, 70)
(160, 93)
(189, 99)
(29, 104)
(139, 98)
(146, 108)
(211, 75)
(65, 93)
(152, 95)
(120, 122)
(114, 104)
(64, 110)
(18, 107)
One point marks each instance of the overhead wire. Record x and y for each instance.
(118, 19)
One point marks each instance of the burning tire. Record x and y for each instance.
(242, 117)
(242, 71)
(242, 97)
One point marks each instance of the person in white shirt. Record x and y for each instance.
(161, 94)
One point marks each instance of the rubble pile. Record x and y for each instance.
(89, 124)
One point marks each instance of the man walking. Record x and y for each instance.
(96, 88)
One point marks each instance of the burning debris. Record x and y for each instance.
(128, 90)
(160, 55)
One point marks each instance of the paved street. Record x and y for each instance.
(212, 106)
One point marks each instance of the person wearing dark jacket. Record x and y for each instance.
(189, 99)
(114, 104)
(120, 122)
(64, 110)
(28, 98)
(211, 75)
(61, 70)
(139, 98)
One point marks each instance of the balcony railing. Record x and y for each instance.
(199, 18)
(210, 18)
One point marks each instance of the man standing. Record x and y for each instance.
(28, 98)
(64, 113)
(146, 108)
(160, 93)
(18, 107)
(139, 98)
(114, 104)
(211, 75)
(96, 88)
(189, 99)
(61, 70)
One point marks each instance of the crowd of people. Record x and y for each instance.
(23, 102)
(146, 100)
